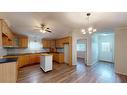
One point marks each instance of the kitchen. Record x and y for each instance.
(20, 51)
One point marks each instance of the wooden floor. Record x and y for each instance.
(99, 73)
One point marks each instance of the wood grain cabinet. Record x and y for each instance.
(29, 59)
(23, 42)
(34, 58)
(7, 37)
(59, 43)
(23, 60)
(52, 44)
(46, 43)
(58, 57)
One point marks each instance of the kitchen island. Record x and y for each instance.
(46, 62)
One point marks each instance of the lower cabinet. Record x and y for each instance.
(34, 58)
(29, 59)
(58, 57)
(24, 60)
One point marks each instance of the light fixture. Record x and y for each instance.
(43, 31)
(89, 29)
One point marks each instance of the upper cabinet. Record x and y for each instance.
(46, 43)
(7, 35)
(52, 44)
(58, 43)
(9, 39)
(23, 42)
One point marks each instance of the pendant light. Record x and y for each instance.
(89, 29)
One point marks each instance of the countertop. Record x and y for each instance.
(46, 54)
(7, 60)
(31, 53)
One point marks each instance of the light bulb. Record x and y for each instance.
(94, 30)
(43, 31)
(90, 29)
(84, 33)
(90, 32)
(83, 30)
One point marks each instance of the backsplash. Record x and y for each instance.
(60, 50)
(3, 51)
(20, 51)
(34, 46)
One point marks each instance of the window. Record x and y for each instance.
(34, 45)
(81, 47)
(106, 46)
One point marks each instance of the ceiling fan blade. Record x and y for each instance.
(49, 31)
(37, 27)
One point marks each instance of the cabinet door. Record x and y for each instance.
(23, 60)
(4, 28)
(59, 43)
(23, 42)
(20, 61)
(61, 58)
(46, 43)
(52, 43)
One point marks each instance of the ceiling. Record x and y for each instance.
(62, 23)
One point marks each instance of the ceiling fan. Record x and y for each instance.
(43, 28)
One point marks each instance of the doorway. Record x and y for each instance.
(81, 51)
(106, 47)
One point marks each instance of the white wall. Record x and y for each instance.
(94, 48)
(121, 51)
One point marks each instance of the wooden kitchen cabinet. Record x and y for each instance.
(61, 58)
(46, 43)
(33, 58)
(59, 43)
(52, 44)
(7, 35)
(58, 57)
(23, 42)
(23, 60)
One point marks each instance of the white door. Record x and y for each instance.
(106, 48)
(66, 53)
